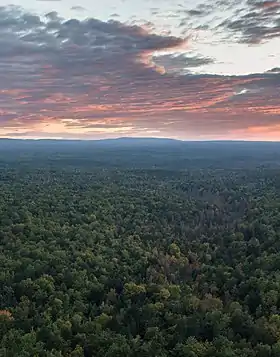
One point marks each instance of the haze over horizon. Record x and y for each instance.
(190, 70)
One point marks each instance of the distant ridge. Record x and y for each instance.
(123, 141)
(124, 138)
(135, 140)
(95, 140)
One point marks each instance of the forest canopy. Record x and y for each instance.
(139, 248)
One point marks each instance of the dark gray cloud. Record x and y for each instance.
(201, 10)
(176, 63)
(78, 8)
(274, 70)
(73, 42)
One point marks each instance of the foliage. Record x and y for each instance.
(99, 260)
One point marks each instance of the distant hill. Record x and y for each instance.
(139, 140)
(115, 141)
(141, 153)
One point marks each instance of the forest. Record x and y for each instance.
(139, 248)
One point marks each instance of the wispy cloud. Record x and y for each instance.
(256, 22)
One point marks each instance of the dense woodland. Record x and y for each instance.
(139, 249)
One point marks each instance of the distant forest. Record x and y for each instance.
(139, 248)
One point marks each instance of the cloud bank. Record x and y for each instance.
(90, 79)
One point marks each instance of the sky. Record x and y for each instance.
(185, 69)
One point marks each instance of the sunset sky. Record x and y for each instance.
(186, 69)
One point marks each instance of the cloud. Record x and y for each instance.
(255, 23)
(78, 8)
(269, 6)
(247, 22)
(179, 62)
(72, 78)
(274, 70)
